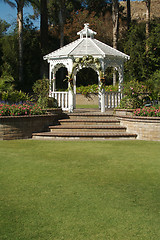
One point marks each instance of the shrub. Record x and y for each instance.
(41, 90)
(154, 85)
(147, 111)
(134, 93)
(6, 84)
(7, 92)
(14, 96)
(94, 89)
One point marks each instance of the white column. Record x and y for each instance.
(103, 100)
(99, 93)
(54, 82)
(74, 91)
(70, 99)
(121, 77)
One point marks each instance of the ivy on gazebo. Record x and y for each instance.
(86, 61)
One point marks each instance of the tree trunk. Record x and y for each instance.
(115, 19)
(148, 4)
(128, 14)
(43, 36)
(20, 38)
(61, 21)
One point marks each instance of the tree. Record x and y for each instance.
(102, 25)
(19, 4)
(128, 14)
(115, 19)
(134, 46)
(59, 11)
(148, 5)
(97, 6)
(3, 28)
(41, 8)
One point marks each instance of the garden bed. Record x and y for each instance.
(22, 127)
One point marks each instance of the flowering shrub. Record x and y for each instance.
(20, 109)
(134, 93)
(94, 89)
(147, 111)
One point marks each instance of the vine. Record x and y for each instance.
(86, 61)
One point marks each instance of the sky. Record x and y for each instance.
(9, 14)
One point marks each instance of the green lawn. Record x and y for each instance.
(87, 106)
(54, 190)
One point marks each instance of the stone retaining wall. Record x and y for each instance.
(22, 127)
(82, 100)
(146, 128)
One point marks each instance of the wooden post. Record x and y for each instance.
(102, 100)
(70, 100)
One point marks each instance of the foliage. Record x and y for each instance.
(98, 6)
(154, 85)
(20, 109)
(86, 61)
(153, 43)
(134, 46)
(94, 89)
(134, 92)
(14, 96)
(41, 90)
(102, 25)
(6, 84)
(3, 29)
(134, 88)
(8, 93)
(142, 64)
(31, 56)
(9, 65)
(147, 111)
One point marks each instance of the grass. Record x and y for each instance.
(54, 190)
(87, 106)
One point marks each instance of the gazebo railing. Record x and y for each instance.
(112, 99)
(62, 99)
(65, 100)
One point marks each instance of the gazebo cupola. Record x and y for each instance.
(86, 45)
(86, 32)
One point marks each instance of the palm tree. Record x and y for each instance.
(41, 7)
(115, 19)
(148, 6)
(19, 4)
(128, 13)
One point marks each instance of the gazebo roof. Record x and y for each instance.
(86, 45)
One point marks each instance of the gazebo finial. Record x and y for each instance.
(86, 32)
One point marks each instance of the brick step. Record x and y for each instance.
(90, 115)
(87, 121)
(83, 135)
(87, 128)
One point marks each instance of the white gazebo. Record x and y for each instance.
(69, 57)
